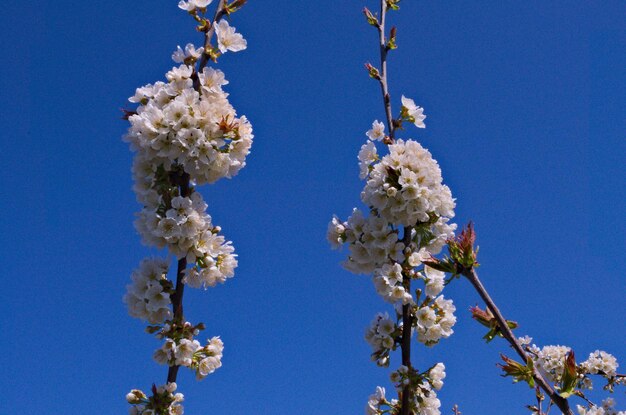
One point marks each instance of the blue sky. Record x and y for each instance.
(525, 105)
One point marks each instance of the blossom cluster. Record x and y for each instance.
(388, 281)
(600, 362)
(148, 297)
(409, 221)
(175, 124)
(435, 321)
(187, 231)
(377, 401)
(424, 399)
(557, 363)
(607, 408)
(403, 190)
(190, 353)
(381, 335)
(184, 132)
(162, 402)
(370, 240)
(551, 360)
(409, 213)
(405, 187)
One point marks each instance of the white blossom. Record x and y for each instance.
(191, 5)
(180, 55)
(228, 39)
(600, 362)
(415, 113)
(437, 374)
(377, 132)
(367, 156)
(375, 401)
(434, 281)
(147, 297)
(371, 243)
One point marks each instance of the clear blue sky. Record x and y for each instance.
(525, 105)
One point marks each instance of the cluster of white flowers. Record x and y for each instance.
(370, 240)
(405, 193)
(607, 408)
(148, 297)
(600, 362)
(184, 133)
(435, 321)
(388, 282)
(165, 401)
(406, 188)
(177, 125)
(377, 400)
(183, 226)
(551, 360)
(425, 399)
(381, 336)
(191, 5)
(190, 353)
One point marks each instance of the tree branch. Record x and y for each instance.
(219, 13)
(407, 325)
(383, 69)
(177, 297)
(407, 318)
(562, 403)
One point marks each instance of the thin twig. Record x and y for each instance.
(539, 396)
(219, 13)
(383, 69)
(472, 276)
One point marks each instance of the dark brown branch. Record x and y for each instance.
(407, 318)
(407, 325)
(472, 276)
(177, 297)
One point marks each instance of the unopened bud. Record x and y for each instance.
(371, 19)
(135, 396)
(373, 72)
(391, 43)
